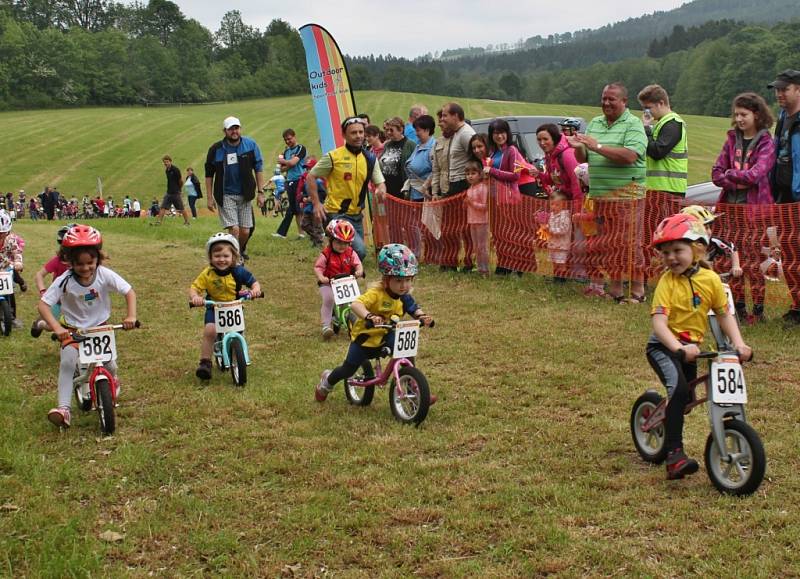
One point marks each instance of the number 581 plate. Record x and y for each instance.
(345, 290)
(727, 382)
(99, 345)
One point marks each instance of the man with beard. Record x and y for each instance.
(348, 171)
(234, 173)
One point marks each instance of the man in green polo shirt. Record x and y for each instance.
(614, 145)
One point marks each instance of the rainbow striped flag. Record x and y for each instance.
(330, 85)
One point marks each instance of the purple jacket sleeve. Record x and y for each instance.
(721, 166)
(764, 155)
(506, 171)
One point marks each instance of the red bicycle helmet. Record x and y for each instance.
(680, 226)
(82, 236)
(342, 230)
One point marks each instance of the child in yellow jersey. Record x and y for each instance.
(221, 281)
(684, 295)
(390, 297)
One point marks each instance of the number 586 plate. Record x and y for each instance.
(727, 382)
(99, 345)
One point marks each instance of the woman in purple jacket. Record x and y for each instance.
(742, 170)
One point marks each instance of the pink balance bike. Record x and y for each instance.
(95, 387)
(409, 394)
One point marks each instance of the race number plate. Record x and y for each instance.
(99, 346)
(406, 339)
(6, 283)
(345, 290)
(229, 318)
(727, 382)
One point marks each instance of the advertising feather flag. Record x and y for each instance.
(331, 93)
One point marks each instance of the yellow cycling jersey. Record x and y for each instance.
(380, 303)
(222, 288)
(686, 302)
(347, 179)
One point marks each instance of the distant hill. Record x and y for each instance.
(628, 38)
(702, 63)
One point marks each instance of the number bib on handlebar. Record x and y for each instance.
(229, 318)
(6, 283)
(406, 339)
(99, 345)
(345, 290)
(727, 381)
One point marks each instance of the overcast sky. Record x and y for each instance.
(414, 27)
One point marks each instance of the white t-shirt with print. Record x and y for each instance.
(85, 306)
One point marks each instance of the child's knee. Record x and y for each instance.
(209, 332)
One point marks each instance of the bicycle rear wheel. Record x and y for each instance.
(361, 396)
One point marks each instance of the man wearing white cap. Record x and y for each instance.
(234, 174)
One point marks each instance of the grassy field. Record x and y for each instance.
(524, 467)
(72, 148)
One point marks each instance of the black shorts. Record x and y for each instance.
(172, 199)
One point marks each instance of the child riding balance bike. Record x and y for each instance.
(373, 335)
(685, 296)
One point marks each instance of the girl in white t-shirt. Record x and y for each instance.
(85, 295)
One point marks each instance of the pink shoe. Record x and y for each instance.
(323, 388)
(59, 416)
(594, 291)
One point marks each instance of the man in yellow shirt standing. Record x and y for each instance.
(348, 171)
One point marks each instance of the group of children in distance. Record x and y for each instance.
(685, 293)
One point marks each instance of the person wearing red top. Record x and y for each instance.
(57, 265)
(337, 259)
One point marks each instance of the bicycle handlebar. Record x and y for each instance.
(243, 297)
(369, 324)
(79, 336)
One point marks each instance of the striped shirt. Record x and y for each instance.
(606, 178)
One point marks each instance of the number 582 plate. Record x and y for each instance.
(99, 345)
(727, 382)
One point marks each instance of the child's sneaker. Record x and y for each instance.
(204, 370)
(679, 465)
(37, 328)
(323, 388)
(327, 332)
(59, 416)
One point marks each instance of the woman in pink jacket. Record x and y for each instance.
(742, 170)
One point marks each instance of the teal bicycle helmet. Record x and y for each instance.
(397, 260)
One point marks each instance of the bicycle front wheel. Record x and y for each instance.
(6, 317)
(105, 406)
(238, 363)
(410, 396)
(741, 469)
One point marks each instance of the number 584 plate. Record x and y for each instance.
(727, 382)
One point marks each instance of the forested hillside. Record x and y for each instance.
(96, 52)
(99, 52)
(703, 67)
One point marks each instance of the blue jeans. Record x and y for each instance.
(357, 222)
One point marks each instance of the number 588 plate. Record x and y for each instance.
(406, 339)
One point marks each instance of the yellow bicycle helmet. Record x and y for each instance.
(704, 215)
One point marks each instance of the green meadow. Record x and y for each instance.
(524, 467)
(70, 149)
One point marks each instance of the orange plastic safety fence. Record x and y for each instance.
(593, 239)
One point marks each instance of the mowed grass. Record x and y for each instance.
(524, 467)
(123, 146)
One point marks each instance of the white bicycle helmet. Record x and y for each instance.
(5, 221)
(221, 237)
